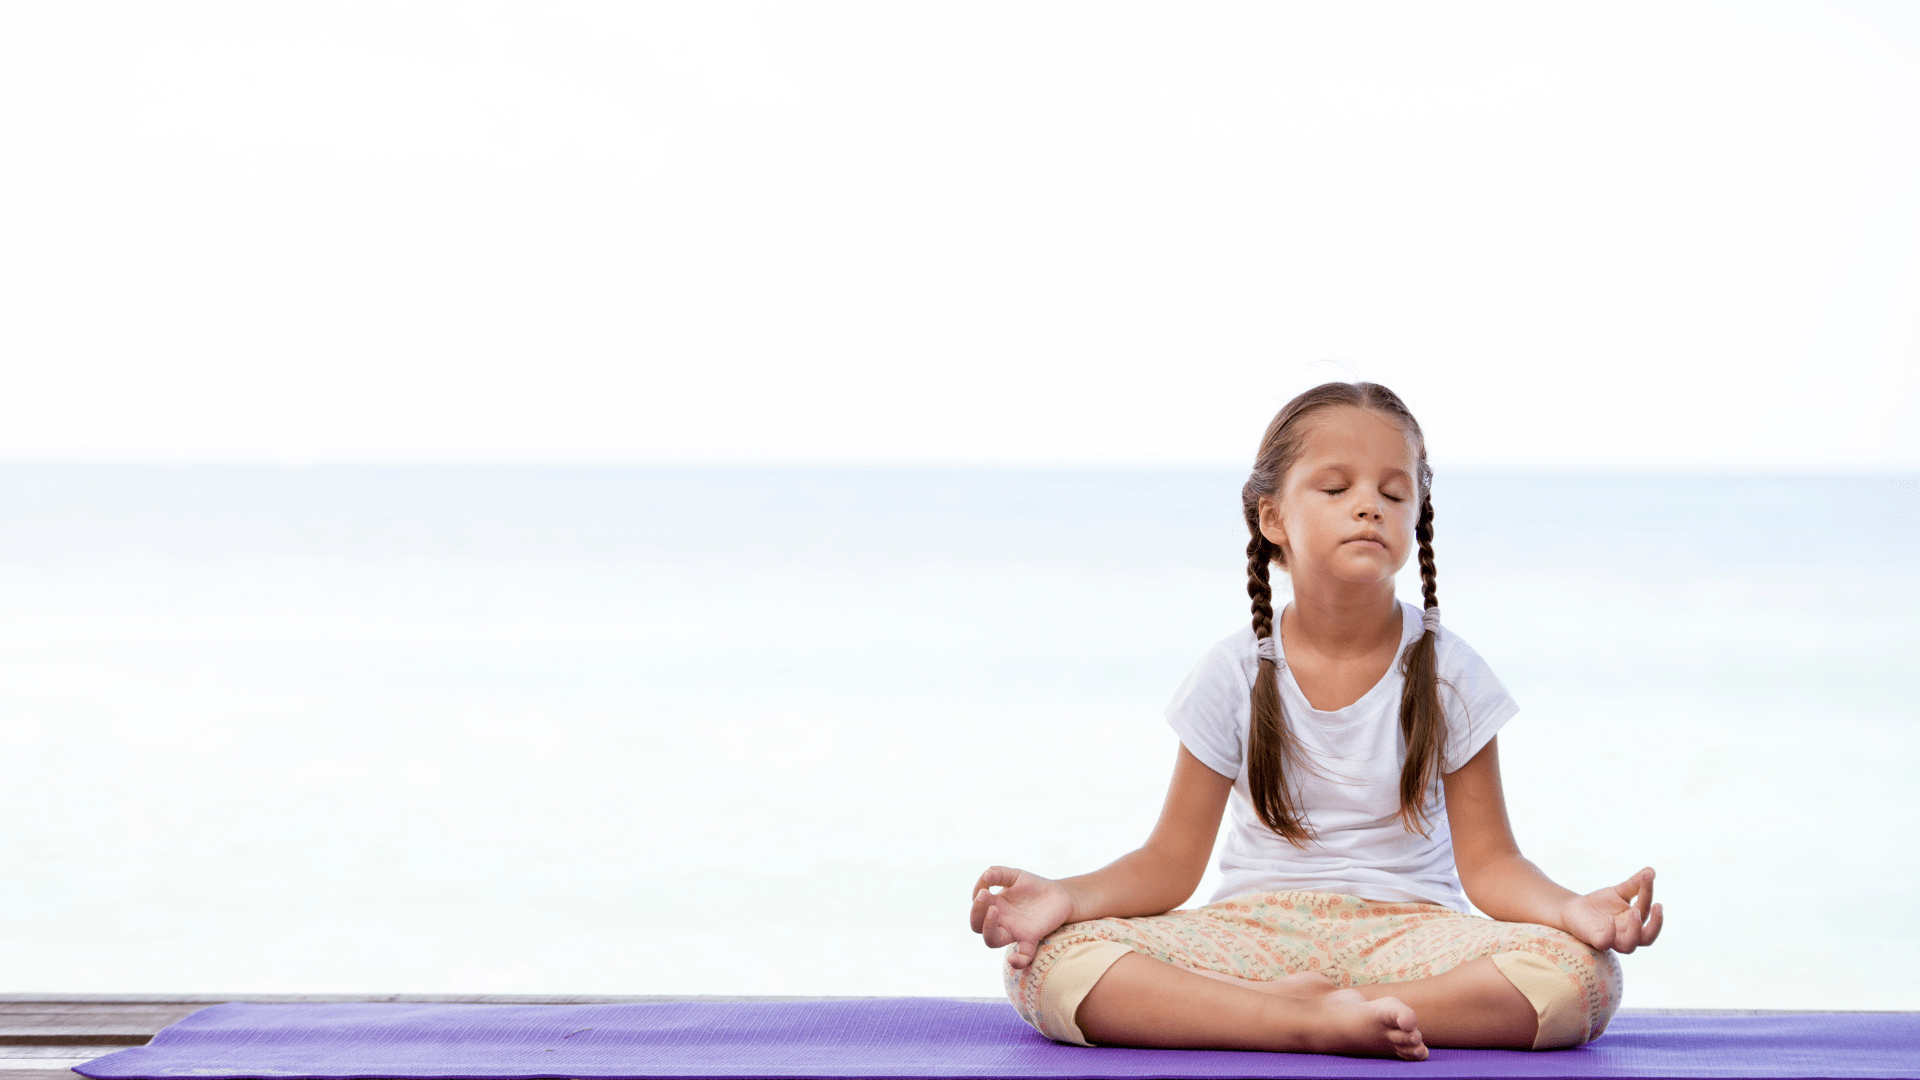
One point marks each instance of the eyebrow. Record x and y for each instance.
(1341, 466)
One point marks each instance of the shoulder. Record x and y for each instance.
(1233, 657)
(1210, 711)
(1454, 657)
(1229, 668)
(1477, 704)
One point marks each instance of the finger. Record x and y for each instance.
(1637, 907)
(977, 917)
(997, 877)
(1629, 888)
(1003, 935)
(994, 934)
(1646, 910)
(1626, 931)
(1654, 922)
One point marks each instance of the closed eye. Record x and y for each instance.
(1334, 491)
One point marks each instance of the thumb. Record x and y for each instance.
(1023, 953)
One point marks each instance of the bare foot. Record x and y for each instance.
(1383, 1027)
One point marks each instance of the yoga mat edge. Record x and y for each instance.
(926, 1039)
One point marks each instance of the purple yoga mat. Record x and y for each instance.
(924, 1037)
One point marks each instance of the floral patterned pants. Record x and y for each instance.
(1574, 989)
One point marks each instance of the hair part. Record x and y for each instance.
(1274, 751)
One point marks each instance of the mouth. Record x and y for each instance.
(1369, 538)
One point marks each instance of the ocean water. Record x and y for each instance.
(553, 730)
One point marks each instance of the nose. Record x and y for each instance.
(1368, 513)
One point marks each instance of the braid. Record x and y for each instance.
(1259, 585)
(1423, 722)
(1271, 744)
(1423, 532)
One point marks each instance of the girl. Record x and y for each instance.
(1357, 738)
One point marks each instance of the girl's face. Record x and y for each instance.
(1346, 509)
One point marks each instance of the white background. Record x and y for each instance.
(1662, 235)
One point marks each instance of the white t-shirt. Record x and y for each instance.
(1352, 800)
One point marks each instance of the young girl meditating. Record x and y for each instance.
(1354, 737)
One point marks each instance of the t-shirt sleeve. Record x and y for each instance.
(1476, 704)
(1209, 712)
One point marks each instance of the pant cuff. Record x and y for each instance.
(1069, 979)
(1558, 1003)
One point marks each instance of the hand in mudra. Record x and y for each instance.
(1026, 908)
(1620, 917)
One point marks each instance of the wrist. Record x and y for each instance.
(1078, 903)
(1560, 920)
(1514, 890)
(1562, 908)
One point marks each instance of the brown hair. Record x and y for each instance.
(1273, 749)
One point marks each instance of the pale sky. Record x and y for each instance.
(1599, 236)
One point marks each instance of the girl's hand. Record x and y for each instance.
(1027, 908)
(1621, 917)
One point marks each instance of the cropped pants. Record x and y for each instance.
(1260, 937)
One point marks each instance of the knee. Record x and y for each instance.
(1574, 989)
(1611, 983)
(1047, 993)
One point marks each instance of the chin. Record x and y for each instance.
(1364, 577)
(1365, 572)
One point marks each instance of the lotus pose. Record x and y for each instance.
(1355, 738)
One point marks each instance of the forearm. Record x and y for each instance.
(1511, 889)
(1141, 882)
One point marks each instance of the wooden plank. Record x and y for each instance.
(12, 1011)
(46, 1062)
(77, 1053)
(54, 1024)
(49, 1025)
(67, 1036)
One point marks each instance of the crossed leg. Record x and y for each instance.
(1141, 1001)
(1472, 1005)
(1182, 979)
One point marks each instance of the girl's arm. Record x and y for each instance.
(1501, 882)
(1154, 878)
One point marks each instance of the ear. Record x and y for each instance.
(1271, 526)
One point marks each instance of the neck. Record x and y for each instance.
(1347, 619)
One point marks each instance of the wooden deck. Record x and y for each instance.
(43, 1036)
